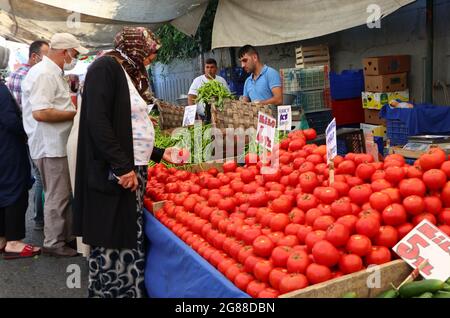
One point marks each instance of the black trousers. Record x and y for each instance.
(12, 219)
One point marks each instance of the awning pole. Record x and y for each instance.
(430, 52)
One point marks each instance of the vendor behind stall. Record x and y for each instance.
(210, 74)
(264, 83)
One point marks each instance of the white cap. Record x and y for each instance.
(64, 41)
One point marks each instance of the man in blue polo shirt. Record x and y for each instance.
(264, 83)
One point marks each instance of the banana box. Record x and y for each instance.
(371, 100)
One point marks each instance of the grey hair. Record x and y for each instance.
(4, 57)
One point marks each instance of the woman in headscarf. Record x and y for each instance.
(115, 144)
(15, 176)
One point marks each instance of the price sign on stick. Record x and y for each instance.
(189, 115)
(330, 133)
(265, 134)
(284, 118)
(426, 243)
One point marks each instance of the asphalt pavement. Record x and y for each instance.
(42, 276)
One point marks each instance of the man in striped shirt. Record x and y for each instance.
(37, 51)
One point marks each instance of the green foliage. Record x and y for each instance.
(177, 45)
(213, 90)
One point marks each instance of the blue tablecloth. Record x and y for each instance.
(174, 270)
(422, 119)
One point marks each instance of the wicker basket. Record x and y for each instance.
(237, 114)
(170, 116)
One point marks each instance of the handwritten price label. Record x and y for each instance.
(265, 135)
(426, 243)
(284, 118)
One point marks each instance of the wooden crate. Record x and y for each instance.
(393, 272)
(310, 56)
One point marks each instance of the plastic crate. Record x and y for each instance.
(349, 84)
(319, 120)
(300, 80)
(313, 101)
(350, 140)
(397, 132)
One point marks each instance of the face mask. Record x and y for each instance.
(70, 66)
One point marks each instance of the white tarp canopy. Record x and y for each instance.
(94, 22)
(266, 22)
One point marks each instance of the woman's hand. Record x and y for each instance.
(129, 181)
(176, 156)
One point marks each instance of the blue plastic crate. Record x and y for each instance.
(349, 84)
(341, 147)
(397, 132)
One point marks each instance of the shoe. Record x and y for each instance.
(39, 226)
(63, 251)
(72, 244)
(27, 251)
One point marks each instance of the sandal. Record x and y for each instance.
(27, 251)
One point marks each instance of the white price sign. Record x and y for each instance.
(426, 243)
(284, 118)
(265, 135)
(331, 140)
(189, 115)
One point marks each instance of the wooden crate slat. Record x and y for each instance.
(310, 56)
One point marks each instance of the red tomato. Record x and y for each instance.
(394, 214)
(424, 216)
(387, 236)
(312, 215)
(275, 236)
(346, 167)
(412, 186)
(340, 208)
(325, 253)
(378, 255)
(225, 265)
(262, 270)
(297, 216)
(248, 176)
(354, 181)
(268, 293)
(288, 240)
(293, 282)
(250, 263)
(328, 195)
(292, 229)
(379, 200)
(297, 262)
(414, 172)
(433, 205)
(414, 204)
(341, 187)
(365, 171)
(445, 228)
(249, 235)
(323, 222)
(263, 246)
(312, 238)
(444, 217)
(404, 229)
(394, 193)
(359, 245)
(446, 168)
(350, 263)
(337, 234)
(255, 287)
(242, 280)
(281, 205)
(258, 199)
(276, 275)
(395, 174)
(360, 194)
(308, 181)
(349, 221)
(367, 225)
(379, 174)
(303, 231)
(310, 134)
(434, 179)
(279, 222)
(380, 185)
(280, 255)
(433, 159)
(445, 195)
(296, 144)
(244, 252)
(317, 273)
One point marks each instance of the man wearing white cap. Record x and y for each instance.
(48, 115)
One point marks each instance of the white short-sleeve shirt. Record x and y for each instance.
(45, 88)
(197, 83)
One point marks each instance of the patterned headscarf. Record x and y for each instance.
(132, 46)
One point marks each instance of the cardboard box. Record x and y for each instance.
(375, 100)
(386, 83)
(371, 116)
(375, 130)
(381, 65)
(394, 272)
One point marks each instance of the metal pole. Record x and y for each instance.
(430, 52)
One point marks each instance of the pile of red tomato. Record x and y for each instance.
(274, 233)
